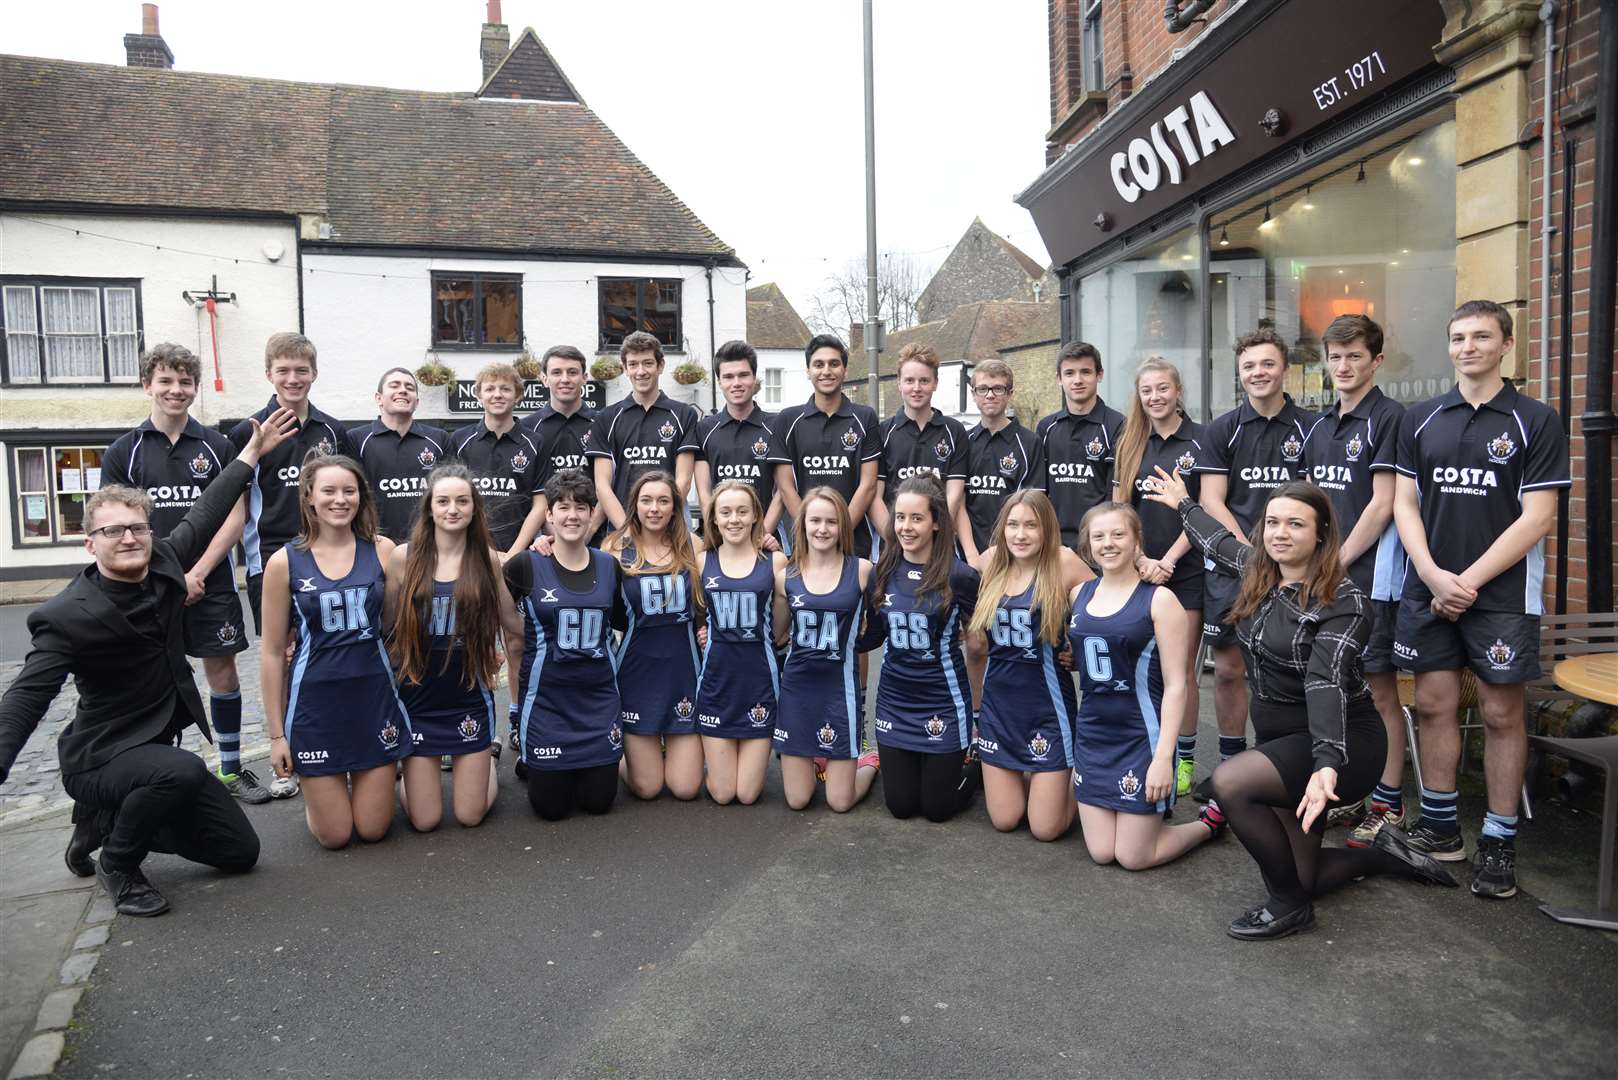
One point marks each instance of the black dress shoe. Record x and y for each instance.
(85, 839)
(1260, 924)
(1423, 867)
(131, 893)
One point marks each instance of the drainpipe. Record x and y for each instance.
(1570, 156)
(713, 372)
(1597, 420)
(1547, 16)
(1176, 18)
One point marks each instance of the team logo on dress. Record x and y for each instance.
(1094, 447)
(1354, 447)
(389, 735)
(797, 600)
(942, 449)
(1185, 462)
(519, 460)
(200, 466)
(684, 710)
(549, 597)
(1501, 448)
(1500, 655)
(615, 736)
(826, 736)
(935, 727)
(759, 715)
(760, 448)
(1292, 449)
(1129, 784)
(1008, 464)
(1039, 746)
(887, 600)
(307, 584)
(326, 446)
(427, 458)
(710, 583)
(851, 439)
(226, 634)
(666, 432)
(469, 727)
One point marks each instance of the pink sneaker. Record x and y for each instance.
(869, 759)
(820, 769)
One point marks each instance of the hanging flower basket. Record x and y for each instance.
(690, 373)
(433, 373)
(606, 369)
(528, 367)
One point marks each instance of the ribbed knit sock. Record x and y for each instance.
(1500, 825)
(1231, 745)
(227, 726)
(1185, 748)
(1438, 810)
(1390, 797)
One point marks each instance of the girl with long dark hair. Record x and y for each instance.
(1302, 625)
(448, 605)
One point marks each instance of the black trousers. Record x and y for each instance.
(556, 793)
(927, 784)
(159, 797)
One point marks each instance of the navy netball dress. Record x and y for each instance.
(343, 710)
(923, 702)
(819, 712)
(738, 684)
(1120, 713)
(570, 710)
(1026, 722)
(657, 659)
(446, 715)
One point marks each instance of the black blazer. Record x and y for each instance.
(129, 684)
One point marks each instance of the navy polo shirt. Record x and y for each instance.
(1471, 467)
(273, 517)
(640, 439)
(1340, 453)
(397, 467)
(739, 449)
(562, 440)
(1161, 525)
(1257, 455)
(827, 450)
(506, 470)
(1078, 452)
(936, 448)
(998, 463)
(174, 475)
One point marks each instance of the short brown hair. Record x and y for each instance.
(1347, 328)
(380, 383)
(1264, 335)
(174, 357)
(119, 494)
(1078, 350)
(290, 345)
(1486, 309)
(922, 354)
(498, 370)
(564, 352)
(641, 342)
(994, 368)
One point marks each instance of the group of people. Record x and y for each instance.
(394, 569)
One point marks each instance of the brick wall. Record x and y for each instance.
(1575, 97)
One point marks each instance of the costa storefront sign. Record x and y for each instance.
(1148, 162)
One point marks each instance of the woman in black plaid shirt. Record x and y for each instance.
(1302, 625)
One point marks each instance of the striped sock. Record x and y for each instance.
(1500, 825)
(511, 716)
(1231, 745)
(1185, 748)
(1390, 797)
(1438, 810)
(227, 726)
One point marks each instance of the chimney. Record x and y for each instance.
(147, 48)
(496, 40)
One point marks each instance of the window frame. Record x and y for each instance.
(38, 284)
(477, 277)
(1092, 70)
(773, 390)
(677, 345)
(52, 491)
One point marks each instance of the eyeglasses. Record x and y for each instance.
(138, 530)
(991, 391)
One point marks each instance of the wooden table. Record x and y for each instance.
(1594, 676)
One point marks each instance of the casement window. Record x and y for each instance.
(476, 311)
(772, 386)
(1090, 45)
(649, 304)
(50, 486)
(69, 331)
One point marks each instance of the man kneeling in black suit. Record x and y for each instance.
(117, 630)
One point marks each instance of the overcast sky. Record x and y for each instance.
(751, 110)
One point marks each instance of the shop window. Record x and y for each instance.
(1371, 233)
(772, 386)
(69, 330)
(52, 484)
(477, 311)
(649, 304)
(1143, 307)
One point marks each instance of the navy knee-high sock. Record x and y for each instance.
(227, 726)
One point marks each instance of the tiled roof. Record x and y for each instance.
(772, 321)
(385, 167)
(529, 72)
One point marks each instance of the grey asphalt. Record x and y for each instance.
(697, 940)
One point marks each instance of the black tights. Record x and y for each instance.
(554, 794)
(928, 784)
(1295, 867)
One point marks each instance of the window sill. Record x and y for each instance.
(457, 347)
(1087, 107)
(612, 350)
(65, 385)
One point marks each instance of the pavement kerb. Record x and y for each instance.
(43, 1051)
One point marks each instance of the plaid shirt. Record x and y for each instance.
(1306, 659)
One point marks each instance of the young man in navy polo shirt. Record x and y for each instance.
(1350, 453)
(918, 440)
(1475, 499)
(562, 427)
(503, 459)
(1002, 456)
(1077, 440)
(829, 441)
(173, 459)
(1248, 453)
(397, 453)
(734, 443)
(644, 432)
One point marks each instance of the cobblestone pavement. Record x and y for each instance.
(34, 787)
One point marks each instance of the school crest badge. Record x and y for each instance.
(1292, 449)
(666, 432)
(684, 710)
(760, 448)
(1354, 447)
(1093, 449)
(200, 466)
(1501, 448)
(942, 449)
(469, 727)
(389, 735)
(325, 446)
(1186, 462)
(227, 634)
(1039, 746)
(826, 737)
(935, 727)
(519, 460)
(1008, 464)
(759, 715)
(615, 736)
(1500, 655)
(427, 458)
(1129, 784)
(851, 439)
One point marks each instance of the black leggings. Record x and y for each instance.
(928, 784)
(555, 794)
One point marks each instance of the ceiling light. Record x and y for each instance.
(1404, 251)
(1224, 237)
(1308, 203)
(1415, 161)
(1394, 262)
(1187, 257)
(1360, 179)
(1266, 225)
